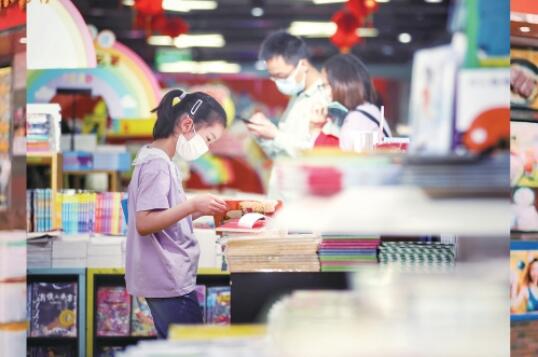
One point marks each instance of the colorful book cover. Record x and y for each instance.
(54, 309)
(218, 305)
(201, 295)
(113, 311)
(51, 351)
(29, 306)
(109, 351)
(141, 319)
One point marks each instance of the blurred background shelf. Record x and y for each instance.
(52, 159)
(113, 177)
(396, 210)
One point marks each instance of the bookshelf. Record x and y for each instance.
(52, 159)
(64, 275)
(97, 277)
(113, 177)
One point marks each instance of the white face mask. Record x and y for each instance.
(289, 86)
(191, 149)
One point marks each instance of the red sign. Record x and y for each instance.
(524, 6)
(12, 16)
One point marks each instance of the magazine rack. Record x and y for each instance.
(98, 277)
(64, 275)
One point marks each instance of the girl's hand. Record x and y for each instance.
(208, 205)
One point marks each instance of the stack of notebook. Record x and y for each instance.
(343, 252)
(273, 253)
(417, 255)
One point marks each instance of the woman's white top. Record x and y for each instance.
(357, 122)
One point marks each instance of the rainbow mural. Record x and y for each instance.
(55, 27)
(213, 170)
(125, 82)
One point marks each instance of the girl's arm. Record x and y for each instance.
(148, 222)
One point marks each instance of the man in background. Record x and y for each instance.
(286, 59)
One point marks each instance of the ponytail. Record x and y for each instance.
(200, 107)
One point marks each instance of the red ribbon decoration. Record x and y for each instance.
(172, 27)
(151, 18)
(146, 10)
(352, 16)
(345, 36)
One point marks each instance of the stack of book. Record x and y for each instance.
(39, 250)
(418, 256)
(106, 252)
(108, 213)
(273, 253)
(70, 251)
(41, 206)
(344, 252)
(42, 132)
(76, 212)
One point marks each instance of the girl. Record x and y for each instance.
(162, 252)
(347, 82)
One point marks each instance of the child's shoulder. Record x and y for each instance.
(157, 164)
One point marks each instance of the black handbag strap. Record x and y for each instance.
(371, 117)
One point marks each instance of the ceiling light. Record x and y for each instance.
(312, 28)
(321, 2)
(257, 11)
(525, 29)
(201, 67)
(206, 40)
(160, 40)
(319, 29)
(382, 1)
(367, 32)
(128, 2)
(433, 1)
(188, 5)
(404, 37)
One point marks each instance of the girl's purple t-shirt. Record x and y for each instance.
(162, 264)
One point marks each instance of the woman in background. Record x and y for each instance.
(162, 252)
(347, 82)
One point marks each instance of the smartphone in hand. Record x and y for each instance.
(245, 120)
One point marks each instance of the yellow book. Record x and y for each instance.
(212, 332)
